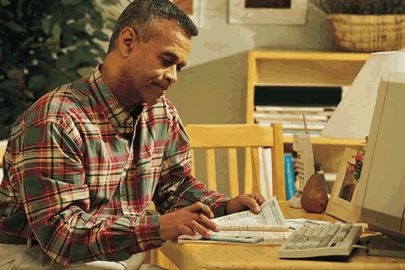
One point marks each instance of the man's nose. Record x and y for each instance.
(171, 74)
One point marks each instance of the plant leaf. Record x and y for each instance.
(27, 42)
(56, 31)
(6, 85)
(67, 37)
(68, 2)
(5, 3)
(36, 81)
(62, 61)
(46, 25)
(14, 26)
(101, 35)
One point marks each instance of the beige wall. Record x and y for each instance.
(212, 88)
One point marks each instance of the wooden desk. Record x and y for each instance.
(239, 256)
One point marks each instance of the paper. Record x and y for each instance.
(270, 216)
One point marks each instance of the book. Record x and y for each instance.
(298, 113)
(291, 132)
(266, 172)
(295, 111)
(296, 124)
(294, 108)
(290, 117)
(269, 224)
(289, 176)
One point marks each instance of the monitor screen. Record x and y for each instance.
(381, 186)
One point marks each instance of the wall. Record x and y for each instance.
(215, 75)
(212, 88)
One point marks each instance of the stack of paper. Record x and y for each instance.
(269, 224)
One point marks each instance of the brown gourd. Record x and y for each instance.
(314, 197)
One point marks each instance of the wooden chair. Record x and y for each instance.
(232, 136)
(250, 137)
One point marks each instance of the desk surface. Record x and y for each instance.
(239, 256)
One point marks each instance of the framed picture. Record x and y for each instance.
(193, 8)
(284, 12)
(342, 201)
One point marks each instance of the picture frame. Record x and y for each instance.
(342, 201)
(194, 9)
(289, 12)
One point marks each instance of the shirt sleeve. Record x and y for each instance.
(178, 188)
(48, 171)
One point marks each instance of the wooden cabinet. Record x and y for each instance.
(305, 68)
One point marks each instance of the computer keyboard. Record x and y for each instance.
(333, 239)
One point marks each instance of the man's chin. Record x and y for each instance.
(152, 102)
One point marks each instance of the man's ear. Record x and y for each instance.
(127, 40)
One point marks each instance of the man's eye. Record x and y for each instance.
(167, 62)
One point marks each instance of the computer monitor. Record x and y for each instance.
(381, 188)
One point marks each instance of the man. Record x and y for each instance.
(83, 164)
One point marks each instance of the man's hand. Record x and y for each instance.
(188, 220)
(245, 202)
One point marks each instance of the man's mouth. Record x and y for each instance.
(164, 88)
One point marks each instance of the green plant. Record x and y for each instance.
(45, 44)
(365, 7)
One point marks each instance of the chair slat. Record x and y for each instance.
(279, 188)
(256, 170)
(245, 136)
(248, 171)
(209, 136)
(233, 172)
(211, 171)
(192, 162)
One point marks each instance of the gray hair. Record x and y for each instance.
(141, 15)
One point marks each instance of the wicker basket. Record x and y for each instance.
(368, 33)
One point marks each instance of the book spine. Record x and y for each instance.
(326, 113)
(289, 176)
(289, 117)
(293, 126)
(292, 108)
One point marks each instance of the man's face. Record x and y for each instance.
(151, 68)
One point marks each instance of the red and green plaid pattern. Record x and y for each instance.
(80, 173)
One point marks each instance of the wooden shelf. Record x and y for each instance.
(308, 55)
(329, 142)
(305, 68)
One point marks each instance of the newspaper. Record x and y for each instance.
(268, 224)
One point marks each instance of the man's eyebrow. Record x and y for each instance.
(175, 58)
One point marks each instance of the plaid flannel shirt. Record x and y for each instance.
(80, 172)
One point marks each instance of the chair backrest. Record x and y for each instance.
(250, 137)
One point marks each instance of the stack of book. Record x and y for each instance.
(292, 118)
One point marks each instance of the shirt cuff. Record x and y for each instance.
(219, 207)
(147, 234)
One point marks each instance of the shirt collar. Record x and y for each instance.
(119, 118)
